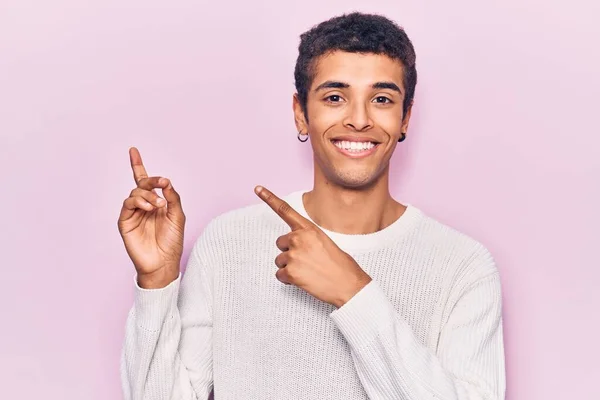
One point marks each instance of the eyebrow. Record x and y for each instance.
(332, 85)
(387, 85)
(343, 85)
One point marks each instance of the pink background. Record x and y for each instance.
(503, 145)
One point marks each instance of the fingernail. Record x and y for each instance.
(258, 189)
(160, 202)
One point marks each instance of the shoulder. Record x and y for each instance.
(470, 259)
(247, 225)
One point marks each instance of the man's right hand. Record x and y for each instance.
(152, 227)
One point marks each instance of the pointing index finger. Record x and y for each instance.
(139, 172)
(283, 209)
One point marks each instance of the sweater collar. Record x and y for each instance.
(358, 243)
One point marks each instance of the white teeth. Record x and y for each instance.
(354, 147)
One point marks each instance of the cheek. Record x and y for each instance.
(321, 117)
(389, 121)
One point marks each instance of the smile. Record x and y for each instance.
(355, 149)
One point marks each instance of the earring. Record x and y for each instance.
(402, 138)
(304, 138)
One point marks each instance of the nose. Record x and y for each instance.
(358, 118)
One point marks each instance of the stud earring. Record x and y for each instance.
(402, 138)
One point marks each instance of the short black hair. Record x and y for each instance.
(355, 33)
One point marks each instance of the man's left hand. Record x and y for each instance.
(310, 260)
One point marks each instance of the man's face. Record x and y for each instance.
(354, 110)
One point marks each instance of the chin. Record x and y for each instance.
(350, 174)
(354, 179)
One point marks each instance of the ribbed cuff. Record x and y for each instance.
(152, 306)
(364, 316)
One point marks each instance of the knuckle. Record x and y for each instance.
(291, 273)
(312, 235)
(268, 197)
(312, 231)
(143, 194)
(295, 240)
(291, 255)
(283, 208)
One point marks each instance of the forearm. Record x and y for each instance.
(392, 363)
(152, 366)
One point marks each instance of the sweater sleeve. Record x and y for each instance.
(167, 353)
(393, 364)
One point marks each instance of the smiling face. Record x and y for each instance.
(355, 118)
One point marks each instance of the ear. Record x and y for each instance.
(299, 117)
(406, 118)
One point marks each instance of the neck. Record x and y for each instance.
(352, 210)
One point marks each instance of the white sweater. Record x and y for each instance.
(428, 326)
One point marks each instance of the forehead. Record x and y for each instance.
(357, 69)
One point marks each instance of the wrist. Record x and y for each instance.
(158, 279)
(352, 290)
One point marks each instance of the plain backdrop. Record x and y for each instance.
(503, 145)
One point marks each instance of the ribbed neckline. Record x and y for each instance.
(361, 242)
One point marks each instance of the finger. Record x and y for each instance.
(172, 197)
(282, 259)
(149, 196)
(283, 242)
(139, 172)
(131, 204)
(151, 183)
(283, 209)
(283, 276)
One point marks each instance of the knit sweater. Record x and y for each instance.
(428, 325)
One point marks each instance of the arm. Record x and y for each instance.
(390, 361)
(393, 364)
(167, 352)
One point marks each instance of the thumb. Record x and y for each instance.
(173, 199)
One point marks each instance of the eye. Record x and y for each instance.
(334, 98)
(382, 100)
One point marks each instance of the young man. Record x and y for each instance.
(339, 292)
